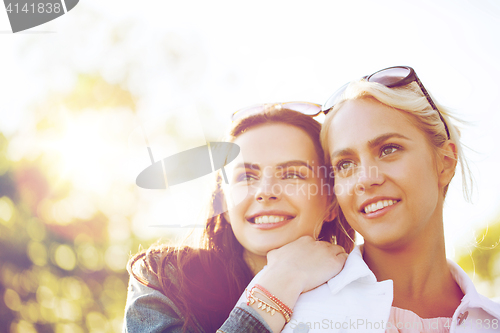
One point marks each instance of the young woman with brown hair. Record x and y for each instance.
(278, 202)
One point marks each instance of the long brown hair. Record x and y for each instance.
(219, 251)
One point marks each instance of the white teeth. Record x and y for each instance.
(269, 219)
(378, 205)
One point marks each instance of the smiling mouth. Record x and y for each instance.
(373, 207)
(269, 219)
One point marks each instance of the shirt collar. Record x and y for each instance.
(355, 269)
(462, 279)
(472, 298)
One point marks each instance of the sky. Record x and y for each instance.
(199, 61)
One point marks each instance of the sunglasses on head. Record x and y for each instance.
(390, 77)
(310, 109)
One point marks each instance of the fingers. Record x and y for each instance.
(337, 248)
(339, 252)
(342, 256)
(310, 262)
(306, 251)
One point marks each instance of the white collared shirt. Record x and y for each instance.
(353, 301)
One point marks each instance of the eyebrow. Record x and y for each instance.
(371, 144)
(287, 164)
(294, 163)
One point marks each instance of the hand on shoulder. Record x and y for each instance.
(297, 267)
(308, 262)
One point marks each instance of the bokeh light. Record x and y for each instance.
(75, 101)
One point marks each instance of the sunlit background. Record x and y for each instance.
(76, 91)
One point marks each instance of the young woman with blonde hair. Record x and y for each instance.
(393, 151)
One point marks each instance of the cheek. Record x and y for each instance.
(317, 206)
(235, 195)
(420, 176)
(346, 205)
(232, 206)
(344, 189)
(314, 195)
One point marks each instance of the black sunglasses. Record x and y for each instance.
(390, 77)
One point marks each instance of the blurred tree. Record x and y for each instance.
(60, 270)
(67, 200)
(484, 260)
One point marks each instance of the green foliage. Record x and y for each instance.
(484, 257)
(93, 92)
(46, 282)
(60, 274)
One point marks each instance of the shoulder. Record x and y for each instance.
(162, 264)
(148, 306)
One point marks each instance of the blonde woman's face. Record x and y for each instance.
(278, 188)
(386, 175)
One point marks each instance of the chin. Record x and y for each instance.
(386, 243)
(264, 249)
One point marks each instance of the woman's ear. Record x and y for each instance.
(448, 158)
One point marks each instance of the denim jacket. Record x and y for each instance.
(149, 310)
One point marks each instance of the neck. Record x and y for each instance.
(422, 279)
(254, 262)
(409, 265)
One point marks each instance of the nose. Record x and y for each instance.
(267, 190)
(368, 177)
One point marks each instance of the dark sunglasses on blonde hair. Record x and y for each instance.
(310, 109)
(390, 77)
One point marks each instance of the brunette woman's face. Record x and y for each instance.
(388, 180)
(278, 186)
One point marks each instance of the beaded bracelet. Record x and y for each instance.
(275, 299)
(261, 304)
(264, 306)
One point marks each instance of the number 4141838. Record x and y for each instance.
(40, 8)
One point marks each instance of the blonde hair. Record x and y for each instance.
(410, 100)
